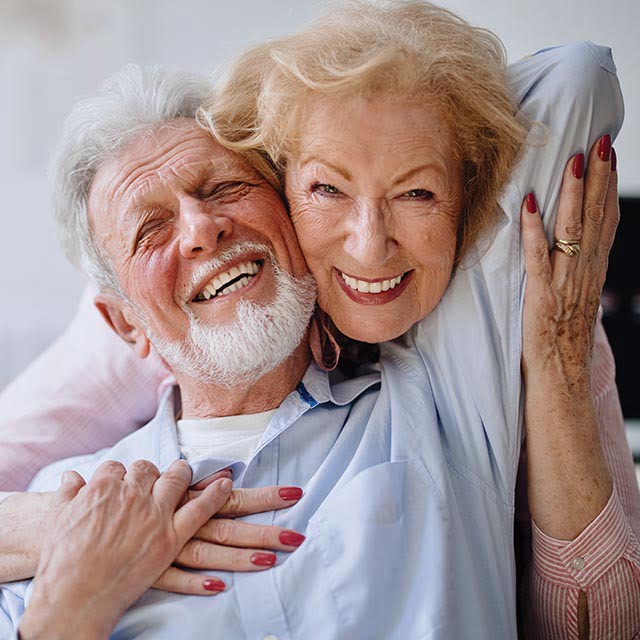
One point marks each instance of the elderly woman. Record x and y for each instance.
(379, 144)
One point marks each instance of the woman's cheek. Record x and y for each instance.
(313, 228)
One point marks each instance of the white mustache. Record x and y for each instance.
(215, 264)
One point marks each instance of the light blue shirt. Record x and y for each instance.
(409, 469)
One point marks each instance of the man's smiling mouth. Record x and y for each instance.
(229, 281)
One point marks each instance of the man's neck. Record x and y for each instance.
(208, 400)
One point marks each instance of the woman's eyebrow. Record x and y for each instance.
(423, 167)
(345, 173)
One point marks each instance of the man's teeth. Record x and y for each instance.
(371, 287)
(241, 275)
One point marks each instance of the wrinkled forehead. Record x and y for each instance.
(175, 156)
(157, 166)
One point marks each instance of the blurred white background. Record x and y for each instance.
(53, 52)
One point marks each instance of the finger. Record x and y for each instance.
(536, 251)
(597, 271)
(231, 533)
(247, 501)
(569, 221)
(143, 474)
(197, 554)
(178, 581)
(595, 191)
(191, 516)
(611, 213)
(172, 485)
(111, 469)
(205, 482)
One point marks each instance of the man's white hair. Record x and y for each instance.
(131, 102)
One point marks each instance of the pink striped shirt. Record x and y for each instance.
(604, 560)
(87, 391)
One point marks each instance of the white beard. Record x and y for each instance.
(256, 342)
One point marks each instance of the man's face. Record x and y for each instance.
(165, 210)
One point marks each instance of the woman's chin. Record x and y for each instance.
(372, 329)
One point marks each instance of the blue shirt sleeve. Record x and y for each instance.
(572, 96)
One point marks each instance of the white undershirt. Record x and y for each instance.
(233, 437)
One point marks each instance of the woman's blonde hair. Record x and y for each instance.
(402, 50)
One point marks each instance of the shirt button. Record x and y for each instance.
(578, 563)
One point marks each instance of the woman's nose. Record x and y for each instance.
(201, 229)
(368, 238)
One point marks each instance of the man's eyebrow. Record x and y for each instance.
(345, 173)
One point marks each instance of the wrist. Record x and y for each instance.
(63, 617)
(22, 516)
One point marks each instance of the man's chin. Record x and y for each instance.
(259, 339)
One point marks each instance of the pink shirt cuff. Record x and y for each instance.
(585, 559)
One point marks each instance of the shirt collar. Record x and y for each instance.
(315, 388)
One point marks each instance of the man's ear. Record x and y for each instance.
(119, 315)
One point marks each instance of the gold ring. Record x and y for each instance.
(570, 248)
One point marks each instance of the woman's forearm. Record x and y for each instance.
(568, 477)
(22, 521)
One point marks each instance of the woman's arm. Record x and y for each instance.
(586, 560)
(221, 544)
(85, 392)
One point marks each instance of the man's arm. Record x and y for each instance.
(110, 540)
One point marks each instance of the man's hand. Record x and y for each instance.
(109, 541)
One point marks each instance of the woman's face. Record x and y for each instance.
(376, 193)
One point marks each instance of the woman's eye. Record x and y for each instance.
(328, 189)
(419, 194)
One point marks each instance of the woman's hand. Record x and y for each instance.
(110, 540)
(223, 544)
(568, 479)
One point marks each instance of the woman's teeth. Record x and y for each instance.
(224, 283)
(363, 286)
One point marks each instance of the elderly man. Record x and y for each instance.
(196, 256)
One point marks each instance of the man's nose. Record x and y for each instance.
(369, 238)
(201, 228)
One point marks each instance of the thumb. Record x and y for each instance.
(71, 483)
(193, 515)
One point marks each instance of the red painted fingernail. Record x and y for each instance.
(291, 538)
(578, 166)
(263, 559)
(604, 148)
(614, 160)
(213, 585)
(290, 493)
(531, 203)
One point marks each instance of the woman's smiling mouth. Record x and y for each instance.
(373, 292)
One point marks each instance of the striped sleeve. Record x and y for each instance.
(604, 560)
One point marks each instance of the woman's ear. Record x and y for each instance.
(119, 315)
